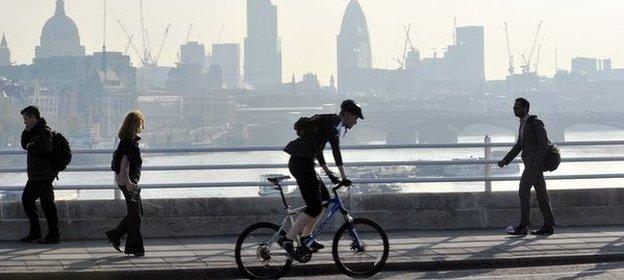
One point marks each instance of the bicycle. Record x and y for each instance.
(356, 239)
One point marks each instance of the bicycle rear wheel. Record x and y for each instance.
(364, 259)
(259, 257)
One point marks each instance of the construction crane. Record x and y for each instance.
(125, 52)
(526, 67)
(537, 32)
(130, 42)
(399, 62)
(147, 56)
(537, 57)
(510, 69)
(188, 32)
(220, 34)
(162, 44)
(408, 43)
(148, 59)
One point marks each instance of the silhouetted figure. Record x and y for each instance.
(127, 164)
(533, 142)
(37, 139)
(314, 133)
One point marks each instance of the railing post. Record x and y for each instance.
(487, 168)
(117, 194)
(117, 191)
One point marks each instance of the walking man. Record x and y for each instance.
(37, 140)
(533, 142)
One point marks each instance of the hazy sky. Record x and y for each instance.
(308, 28)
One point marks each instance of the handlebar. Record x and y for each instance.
(340, 185)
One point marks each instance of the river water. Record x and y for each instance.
(253, 175)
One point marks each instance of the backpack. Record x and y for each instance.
(306, 126)
(553, 157)
(61, 152)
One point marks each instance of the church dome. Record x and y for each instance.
(59, 29)
(59, 36)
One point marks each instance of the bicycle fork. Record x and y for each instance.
(357, 244)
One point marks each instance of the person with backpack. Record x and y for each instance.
(127, 165)
(537, 156)
(314, 133)
(37, 140)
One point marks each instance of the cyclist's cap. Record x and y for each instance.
(352, 107)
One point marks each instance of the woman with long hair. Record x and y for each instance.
(127, 164)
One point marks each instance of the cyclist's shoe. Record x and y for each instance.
(315, 246)
(287, 244)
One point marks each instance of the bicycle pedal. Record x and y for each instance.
(304, 254)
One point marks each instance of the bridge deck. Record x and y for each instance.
(214, 256)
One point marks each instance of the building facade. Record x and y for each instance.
(263, 54)
(354, 50)
(227, 56)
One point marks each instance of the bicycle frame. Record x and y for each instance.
(334, 205)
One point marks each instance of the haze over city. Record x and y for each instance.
(416, 130)
(308, 29)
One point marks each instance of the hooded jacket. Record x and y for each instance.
(39, 144)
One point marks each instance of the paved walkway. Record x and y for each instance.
(409, 250)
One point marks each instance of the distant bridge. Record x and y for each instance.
(404, 126)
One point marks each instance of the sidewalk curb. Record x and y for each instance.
(316, 269)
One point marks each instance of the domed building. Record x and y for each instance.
(88, 94)
(59, 36)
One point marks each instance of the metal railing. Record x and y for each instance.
(487, 161)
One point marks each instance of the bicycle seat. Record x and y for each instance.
(278, 179)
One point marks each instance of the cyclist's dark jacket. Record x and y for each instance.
(312, 145)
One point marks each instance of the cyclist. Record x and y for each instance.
(314, 133)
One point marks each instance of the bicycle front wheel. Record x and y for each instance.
(258, 256)
(360, 248)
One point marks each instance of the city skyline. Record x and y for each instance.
(571, 27)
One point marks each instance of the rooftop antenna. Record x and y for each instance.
(556, 62)
(454, 30)
(104, 62)
(104, 27)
